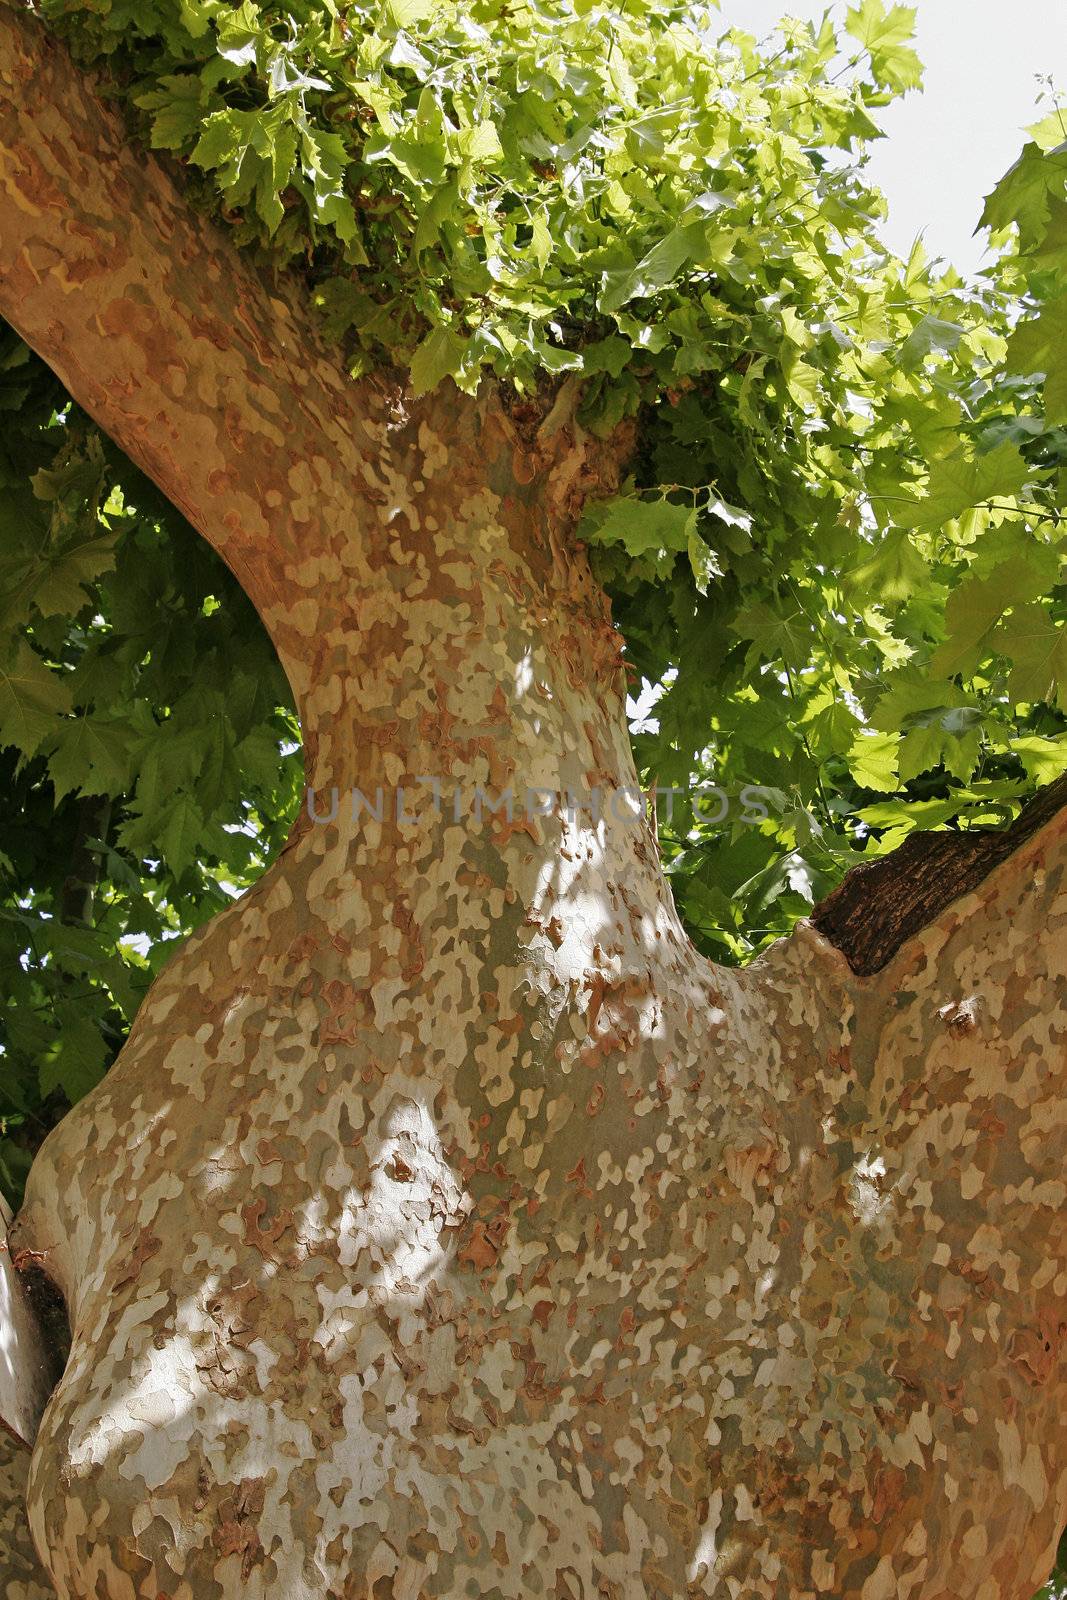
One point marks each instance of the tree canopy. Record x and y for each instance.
(836, 560)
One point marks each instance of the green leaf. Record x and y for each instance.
(641, 527)
(1051, 131)
(439, 356)
(885, 34)
(32, 700)
(703, 560)
(1044, 760)
(731, 516)
(442, 205)
(975, 608)
(480, 143)
(541, 240)
(832, 730)
(405, 13)
(801, 380)
(873, 760)
(178, 110)
(179, 832)
(65, 576)
(197, 15)
(930, 335)
(1037, 647)
(609, 355)
(961, 481)
(660, 266)
(1038, 346)
(221, 138)
(792, 873)
(892, 572)
(1022, 196)
(90, 756)
(240, 34)
(778, 631)
(76, 1059)
(951, 739)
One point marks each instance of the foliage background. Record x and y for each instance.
(837, 563)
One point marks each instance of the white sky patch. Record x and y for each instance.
(639, 707)
(946, 148)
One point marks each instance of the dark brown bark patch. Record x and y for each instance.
(881, 904)
(50, 1310)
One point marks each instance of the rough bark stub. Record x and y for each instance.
(881, 904)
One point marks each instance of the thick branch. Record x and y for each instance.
(219, 387)
(883, 903)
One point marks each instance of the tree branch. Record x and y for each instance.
(219, 387)
(881, 904)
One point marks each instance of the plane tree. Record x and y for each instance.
(449, 1222)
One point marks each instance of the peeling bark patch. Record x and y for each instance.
(237, 1531)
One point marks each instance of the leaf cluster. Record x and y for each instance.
(623, 192)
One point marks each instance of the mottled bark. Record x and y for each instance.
(448, 1226)
(21, 1575)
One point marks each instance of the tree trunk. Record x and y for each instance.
(448, 1226)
